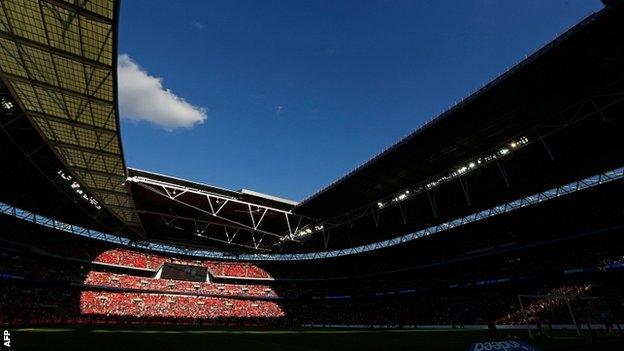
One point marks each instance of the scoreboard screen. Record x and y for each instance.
(184, 272)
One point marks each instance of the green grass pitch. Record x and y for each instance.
(134, 338)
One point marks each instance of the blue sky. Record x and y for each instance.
(284, 97)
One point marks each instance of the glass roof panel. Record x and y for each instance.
(37, 64)
(25, 19)
(56, 57)
(10, 60)
(62, 28)
(97, 40)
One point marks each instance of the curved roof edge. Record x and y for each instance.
(59, 59)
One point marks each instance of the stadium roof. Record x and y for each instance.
(549, 216)
(58, 59)
(179, 211)
(570, 68)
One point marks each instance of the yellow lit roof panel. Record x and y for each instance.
(57, 57)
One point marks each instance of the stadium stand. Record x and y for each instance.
(440, 294)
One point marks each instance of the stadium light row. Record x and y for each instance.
(396, 199)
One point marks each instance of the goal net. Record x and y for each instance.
(580, 313)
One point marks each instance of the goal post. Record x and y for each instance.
(541, 312)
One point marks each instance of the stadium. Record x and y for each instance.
(500, 220)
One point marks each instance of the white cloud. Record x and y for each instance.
(198, 25)
(143, 98)
(279, 109)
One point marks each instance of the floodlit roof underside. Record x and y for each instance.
(58, 59)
